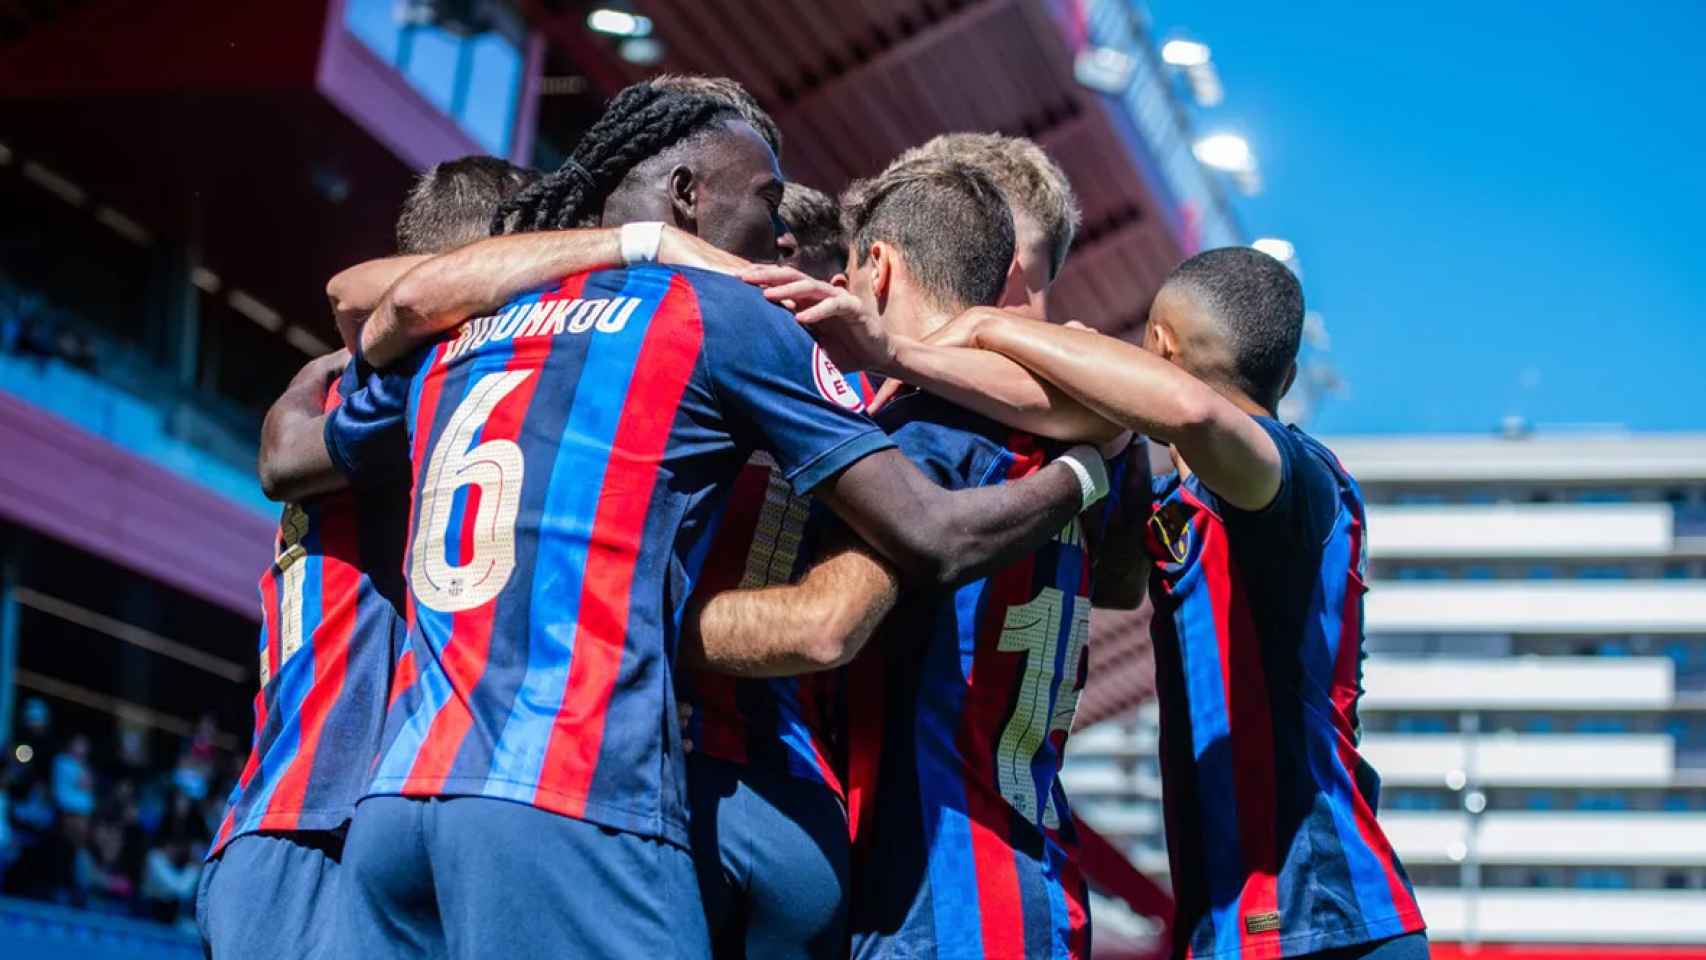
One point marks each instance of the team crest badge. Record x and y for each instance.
(1172, 526)
(832, 384)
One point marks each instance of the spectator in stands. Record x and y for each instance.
(98, 870)
(169, 875)
(73, 781)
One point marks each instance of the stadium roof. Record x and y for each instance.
(853, 85)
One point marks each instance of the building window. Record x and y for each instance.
(475, 80)
(1602, 800)
(1603, 878)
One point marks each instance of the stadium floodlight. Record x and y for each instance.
(619, 23)
(1230, 153)
(1281, 250)
(1184, 53)
(1225, 151)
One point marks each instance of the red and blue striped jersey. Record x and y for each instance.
(330, 628)
(1258, 655)
(570, 454)
(958, 715)
(783, 723)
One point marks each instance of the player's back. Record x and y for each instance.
(782, 724)
(569, 453)
(958, 716)
(330, 628)
(1258, 649)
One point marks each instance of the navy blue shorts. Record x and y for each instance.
(465, 877)
(271, 894)
(772, 852)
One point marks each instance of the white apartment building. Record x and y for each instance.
(1536, 682)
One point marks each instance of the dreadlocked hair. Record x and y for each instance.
(639, 123)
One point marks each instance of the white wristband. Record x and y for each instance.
(1085, 462)
(640, 242)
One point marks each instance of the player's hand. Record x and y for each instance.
(890, 389)
(679, 248)
(329, 367)
(853, 338)
(963, 330)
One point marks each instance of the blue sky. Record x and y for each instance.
(1499, 207)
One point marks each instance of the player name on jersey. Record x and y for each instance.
(542, 318)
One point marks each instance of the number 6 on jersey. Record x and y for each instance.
(494, 469)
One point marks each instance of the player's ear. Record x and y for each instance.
(1161, 340)
(881, 264)
(684, 197)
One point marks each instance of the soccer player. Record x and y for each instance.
(1045, 211)
(1257, 545)
(330, 628)
(766, 807)
(569, 456)
(959, 711)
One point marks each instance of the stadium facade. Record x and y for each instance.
(1537, 693)
(182, 178)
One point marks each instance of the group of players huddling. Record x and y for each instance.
(609, 620)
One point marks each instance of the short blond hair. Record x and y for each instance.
(1028, 176)
(731, 92)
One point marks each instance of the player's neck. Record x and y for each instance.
(916, 319)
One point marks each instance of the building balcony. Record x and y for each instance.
(1524, 760)
(1522, 530)
(1565, 916)
(1552, 607)
(1548, 839)
(1519, 683)
(1119, 819)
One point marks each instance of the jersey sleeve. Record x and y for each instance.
(953, 459)
(1307, 502)
(367, 434)
(777, 386)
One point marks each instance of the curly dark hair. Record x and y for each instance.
(640, 122)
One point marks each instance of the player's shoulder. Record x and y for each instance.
(1304, 453)
(931, 430)
(710, 287)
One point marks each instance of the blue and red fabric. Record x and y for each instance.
(1258, 645)
(957, 718)
(570, 454)
(330, 629)
(782, 724)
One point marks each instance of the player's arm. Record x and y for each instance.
(1115, 531)
(1000, 389)
(819, 623)
(987, 383)
(355, 291)
(1226, 448)
(942, 538)
(293, 461)
(767, 373)
(443, 291)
